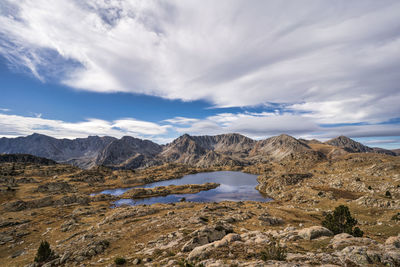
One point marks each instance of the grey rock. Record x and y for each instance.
(314, 232)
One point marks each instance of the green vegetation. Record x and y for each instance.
(369, 187)
(119, 261)
(44, 252)
(396, 217)
(340, 221)
(274, 252)
(388, 195)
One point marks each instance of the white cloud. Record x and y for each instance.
(255, 125)
(263, 125)
(4, 109)
(14, 125)
(340, 61)
(182, 120)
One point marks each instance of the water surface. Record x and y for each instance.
(235, 186)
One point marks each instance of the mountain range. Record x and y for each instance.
(202, 151)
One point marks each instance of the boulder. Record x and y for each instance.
(356, 254)
(343, 240)
(393, 241)
(314, 232)
(202, 252)
(205, 235)
(266, 219)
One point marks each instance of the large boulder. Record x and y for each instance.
(266, 219)
(358, 255)
(343, 240)
(202, 252)
(205, 235)
(314, 232)
(393, 241)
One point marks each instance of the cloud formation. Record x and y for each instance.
(340, 61)
(14, 125)
(331, 68)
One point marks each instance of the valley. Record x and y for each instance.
(42, 199)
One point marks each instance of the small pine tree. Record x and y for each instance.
(340, 221)
(387, 194)
(357, 232)
(120, 261)
(44, 252)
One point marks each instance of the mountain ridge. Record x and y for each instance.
(202, 151)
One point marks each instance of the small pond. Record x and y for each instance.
(235, 186)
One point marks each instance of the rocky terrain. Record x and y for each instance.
(168, 190)
(306, 179)
(201, 151)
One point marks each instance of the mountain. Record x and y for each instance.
(201, 151)
(352, 146)
(280, 147)
(349, 145)
(207, 150)
(128, 152)
(81, 151)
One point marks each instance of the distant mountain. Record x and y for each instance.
(279, 147)
(202, 151)
(397, 151)
(352, 146)
(25, 158)
(81, 151)
(129, 152)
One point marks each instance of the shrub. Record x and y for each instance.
(340, 221)
(274, 252)
(44, 252)
(387, 194)
(396, 217)
(369, 187)
(357, 232)
(119, 261)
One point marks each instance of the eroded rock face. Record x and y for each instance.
(314, 232)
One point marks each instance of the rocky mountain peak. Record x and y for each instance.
(349, 145)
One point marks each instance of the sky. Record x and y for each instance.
(159, 69)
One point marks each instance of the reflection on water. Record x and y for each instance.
(235, 186)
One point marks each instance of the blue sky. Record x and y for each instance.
(158, 69)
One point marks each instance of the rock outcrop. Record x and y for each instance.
(168, 190)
